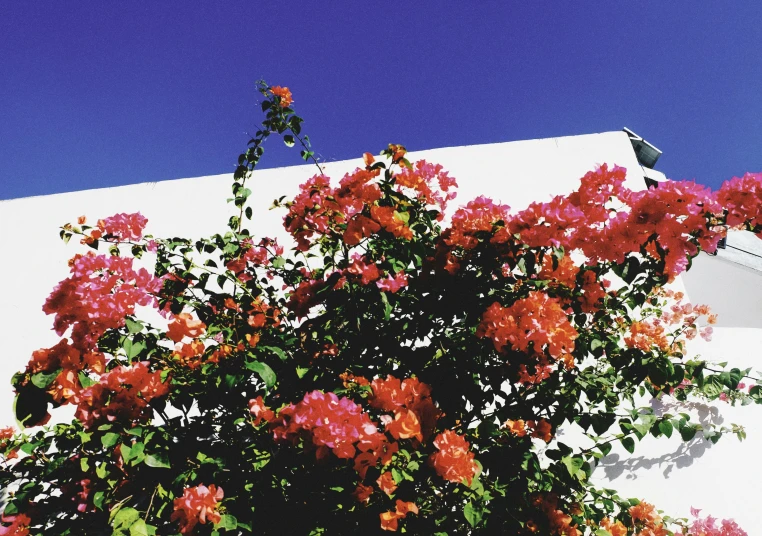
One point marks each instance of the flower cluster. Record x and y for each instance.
(198, 504)
(390, 519)
(415, 415)
(454, 461)
(419, 178)
(284, 94)
(98, 296)
(353, 211)
(335, 425)
(647, 521)
(511, 315)
(254, 257)
(741, 197)
(122, 394)
(708, 526)
(123, 227)
(606, 221)
(559, 522)
(531, 325)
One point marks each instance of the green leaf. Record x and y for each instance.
(279, 262)
(602, 532)
(133, 326)
(124, 518)
(387, 306)
(158, 459)
(139, 528)
(265, 372)
(573, 464)
(687, 433)
(473, 514)
(86, 380)
(227, 522)
(288, 139)
(605, 448)
(665, 427)
(277, 351)
(109, 440)
(133, 348)
(397, 476)
(98, 499)
(629, 444)
(43, 380)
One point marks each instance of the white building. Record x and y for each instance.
(721, 479)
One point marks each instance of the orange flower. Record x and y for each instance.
(645, 336)
(645, 512)
(285, 95)
(397, 151)
(404, 507)
(386, 483)
(517, 428)
(389, 521)
(616, 529)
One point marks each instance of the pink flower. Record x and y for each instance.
(393, 284)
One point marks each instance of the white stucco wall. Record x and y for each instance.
(517, 173)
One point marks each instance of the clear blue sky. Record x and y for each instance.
(94, 94)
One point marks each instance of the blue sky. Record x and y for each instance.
(98, 94)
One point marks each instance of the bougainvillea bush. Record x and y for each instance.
(405, 367)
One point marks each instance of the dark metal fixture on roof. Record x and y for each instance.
(647, 154)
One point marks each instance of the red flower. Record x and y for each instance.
(121, 395)
(362, 493)
(198, 504)
(336, 425)
(541, 429)
(101, 292)
(260, 411)
(454, 461)
(391, 221)
(389, 521)
(184, 325)
(358, 228)
(368, 272)
(19, 525)
(516, 428)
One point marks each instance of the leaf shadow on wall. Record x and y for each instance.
(615, 465)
